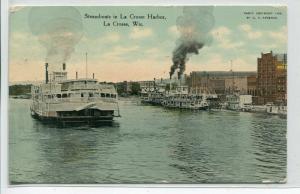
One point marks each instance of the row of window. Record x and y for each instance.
(68, 95)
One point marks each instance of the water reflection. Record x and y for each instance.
(69, 151)
(211, 153)
(188, 149)
(269, 147)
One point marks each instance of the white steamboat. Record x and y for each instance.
(180, 98)
(73, 101)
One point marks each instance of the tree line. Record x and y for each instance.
(20, 89)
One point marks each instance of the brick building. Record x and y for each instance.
(219, 81)
(236, 83)
(272, 78)
(251, 85)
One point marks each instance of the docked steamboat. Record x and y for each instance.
(177, 97)
(63, 100)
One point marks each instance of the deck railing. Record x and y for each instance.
(80, 99)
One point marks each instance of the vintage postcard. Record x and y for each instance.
(147, 94)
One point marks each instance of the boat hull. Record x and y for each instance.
(76, 117)
(93, 120)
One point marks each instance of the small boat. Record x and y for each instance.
(280, 110)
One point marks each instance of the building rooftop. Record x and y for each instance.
(223, 73)
(281, 57)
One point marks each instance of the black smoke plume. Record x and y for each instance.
(194, 26)
(58, 29)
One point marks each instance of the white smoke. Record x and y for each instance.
(58, 29)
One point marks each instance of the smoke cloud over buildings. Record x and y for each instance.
(194, 26)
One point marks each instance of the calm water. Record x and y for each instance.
(149, 145)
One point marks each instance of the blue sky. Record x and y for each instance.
(142, 53)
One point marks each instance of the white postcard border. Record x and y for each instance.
(293, 120)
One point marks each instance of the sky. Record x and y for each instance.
(121, 53)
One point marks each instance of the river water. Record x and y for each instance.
(148, 144)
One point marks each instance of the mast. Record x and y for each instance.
(86, 67)
(233, 84)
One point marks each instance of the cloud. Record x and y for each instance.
(255, 35)
(109, 37)
(18, 40)
(153, 51)
(221, 32)
(222, 35)
(240, 64)
(275, 39)
(250, 33)
(112, 37)
(245, 27)
(268, 47)
(120, 70)
(138, 33)
(264, 39)
(217, 62)
(118, 51)
(280, 35)
(230, 45)
(173, 31)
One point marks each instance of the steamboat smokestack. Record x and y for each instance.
(47, 78)
(76, 75)
(64, 66)
(93, 76)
